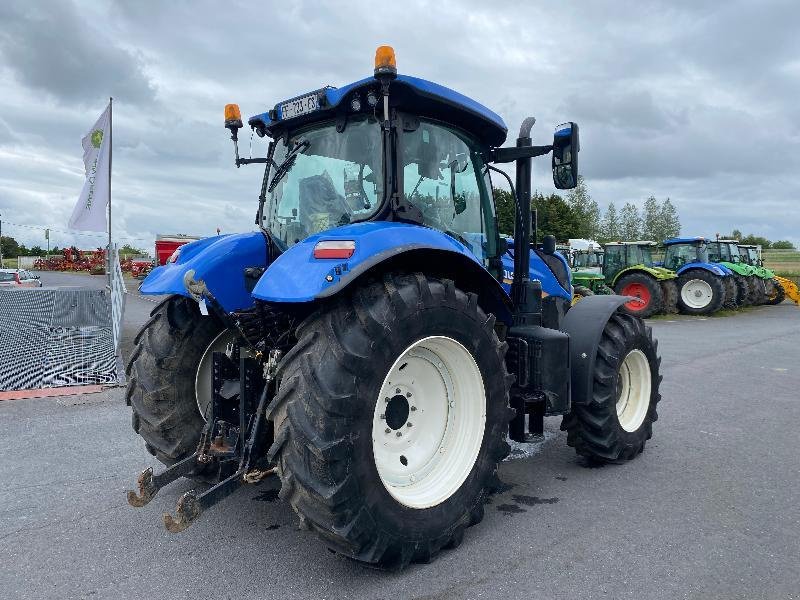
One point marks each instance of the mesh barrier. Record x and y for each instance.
(56, 337)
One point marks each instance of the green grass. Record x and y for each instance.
(9, 263)
(785, 263)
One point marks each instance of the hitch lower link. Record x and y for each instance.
(221, 442)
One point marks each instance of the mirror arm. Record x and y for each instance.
(507, 155)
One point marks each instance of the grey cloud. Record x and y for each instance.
(696, 100)
(51, 47)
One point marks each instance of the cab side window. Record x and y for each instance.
(445, 178)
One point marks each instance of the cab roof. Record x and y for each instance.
(637, 243)
(686, 240)
(411, 94)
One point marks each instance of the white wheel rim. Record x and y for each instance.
(697, 293)
(203, 379)
(428, 424)
(633, 390)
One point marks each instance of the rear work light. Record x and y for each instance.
(334, 249)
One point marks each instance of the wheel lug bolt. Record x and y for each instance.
(397, 391)
(399, 433)
(386, 400)
(452, 403)
(408, 394)
(383, 417)
(409, 424)
(387, 430)
(413, 408)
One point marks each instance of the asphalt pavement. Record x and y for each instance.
(710, 510)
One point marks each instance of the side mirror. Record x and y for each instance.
(566, 145)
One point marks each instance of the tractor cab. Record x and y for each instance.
(622, 255)
(724, 251)
(588, 260)
(683, 251)
(749, 254)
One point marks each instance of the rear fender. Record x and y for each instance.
(714, 268)
(657, 273)
(739, 268)
(585, 323)
(297, 277)
(212, 268)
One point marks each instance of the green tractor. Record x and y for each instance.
(774, 287)
(629, 270)
(587, 273)
(749, 288)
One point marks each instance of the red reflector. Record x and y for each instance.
(334, 249)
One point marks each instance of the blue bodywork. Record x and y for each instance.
(419, 96)
(219, 262)
(716, 269)
(538, 270)
(296, 276)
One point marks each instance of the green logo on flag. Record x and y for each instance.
(97, 137)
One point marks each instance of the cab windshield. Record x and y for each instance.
(324, 178)
(678, 255)
(589, 259)
(640, 255)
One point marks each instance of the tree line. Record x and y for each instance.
(13, 249)
(578, 216)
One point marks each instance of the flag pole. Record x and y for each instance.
(110, 151)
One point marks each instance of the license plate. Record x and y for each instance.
(299, 106)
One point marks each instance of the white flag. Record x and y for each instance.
(89, 213)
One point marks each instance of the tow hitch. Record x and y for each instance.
(234, 440)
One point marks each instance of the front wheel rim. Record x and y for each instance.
(429, 421)
(633, 390)
(697, 293)
(203, 380)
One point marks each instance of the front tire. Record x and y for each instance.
(579, 292)
(618, 419)
(163, 374)
(700, 292)
(777, 295)
(408, 354)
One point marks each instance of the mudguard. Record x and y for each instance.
(714, 268)
(739, 268)
(213, 268)
(296, 276)
(657, 273)
(584, 323)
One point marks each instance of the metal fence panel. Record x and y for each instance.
(56, 337)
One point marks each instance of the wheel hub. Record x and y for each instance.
(428, 423)
(633, 390)
(697, 293)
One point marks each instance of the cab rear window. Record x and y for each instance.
(7, 277)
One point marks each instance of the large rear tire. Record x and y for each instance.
(759, 291)
(669, 288)
(390, 419)
(700, 292)
(646, 289)
(778, 294)
(743, 293)
(618, 419)
(731, 293)
(163, 375)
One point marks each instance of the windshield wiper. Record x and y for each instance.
(287, 164)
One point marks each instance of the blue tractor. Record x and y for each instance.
(703, 286)
(375, 342)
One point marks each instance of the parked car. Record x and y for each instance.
(18, 277)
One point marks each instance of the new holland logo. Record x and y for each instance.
(97, 138)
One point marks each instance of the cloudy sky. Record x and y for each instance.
(695, 100)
